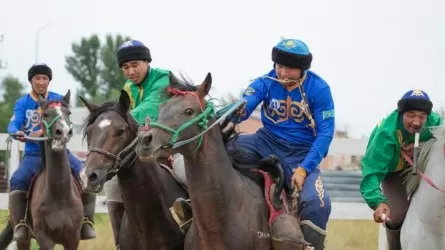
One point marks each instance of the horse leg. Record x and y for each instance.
(44, 241)
(74, 245)
(115, 206)
(116, 212)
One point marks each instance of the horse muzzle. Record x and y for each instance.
(93, 180)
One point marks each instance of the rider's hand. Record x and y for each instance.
(298, 178)
(20, 135)
(380, 210)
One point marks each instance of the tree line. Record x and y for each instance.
(92, 63)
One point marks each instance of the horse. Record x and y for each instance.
(229, 208)
(55, 206)
(148, 190)
(424, 224)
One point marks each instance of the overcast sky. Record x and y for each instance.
(369, 52)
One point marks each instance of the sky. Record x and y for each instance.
(370, 53)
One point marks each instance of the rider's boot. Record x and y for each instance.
(182, 213)
(89, 205)
(116, 212)
(313, 234)
(17, 208)
(393, 238)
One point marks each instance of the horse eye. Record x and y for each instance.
(120, 132)
(189, 111)
(45, 115)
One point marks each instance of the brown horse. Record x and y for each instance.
(148, 190)
(55, 205)
(229, 209)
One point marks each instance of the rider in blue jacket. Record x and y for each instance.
(297, 113)
(26, 121)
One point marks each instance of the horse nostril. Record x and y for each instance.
(93, 177)
(58, 131)
(70, 133)
(146, 140)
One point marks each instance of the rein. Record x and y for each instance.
(47, 126)
(424, 177)
(201, 120)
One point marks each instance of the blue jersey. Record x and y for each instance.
(284, 113)
(27, 118)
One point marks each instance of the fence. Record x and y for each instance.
(342, 186)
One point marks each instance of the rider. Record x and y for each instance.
(26, 121)
(144, 87)
(298, 118)
(383, 162)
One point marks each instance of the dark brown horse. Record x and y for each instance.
(148, 190)
(229, 209)
(55, 205)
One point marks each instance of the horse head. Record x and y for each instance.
(57, 126)
(109, 129)
(182, 117)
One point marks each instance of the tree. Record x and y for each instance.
(84, 65)
(94, 65)
(111, 75)
(11, 89)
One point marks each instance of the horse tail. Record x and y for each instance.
(6, 235)
(271, 164)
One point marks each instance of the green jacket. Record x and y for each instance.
(145, 98)
(383, 154)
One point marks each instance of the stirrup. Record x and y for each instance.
(182, 226)
(22, 223)
(185, 225)
(87, 221)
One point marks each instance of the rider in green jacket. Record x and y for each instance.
(145, 84)
(144, 87)
(383, 162)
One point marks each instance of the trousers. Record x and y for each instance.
(314, 203)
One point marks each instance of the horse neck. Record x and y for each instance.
(144, 187)
(211, 179)
(57, 171)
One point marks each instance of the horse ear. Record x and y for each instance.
(205, 86)
(90, 106)
(67, 97)
(124, 102)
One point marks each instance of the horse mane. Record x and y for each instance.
(179, 83)
(104, 107)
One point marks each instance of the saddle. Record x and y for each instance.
(284, 223)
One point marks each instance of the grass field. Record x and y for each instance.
(342, 234)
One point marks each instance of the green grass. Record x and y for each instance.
(342, 234)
